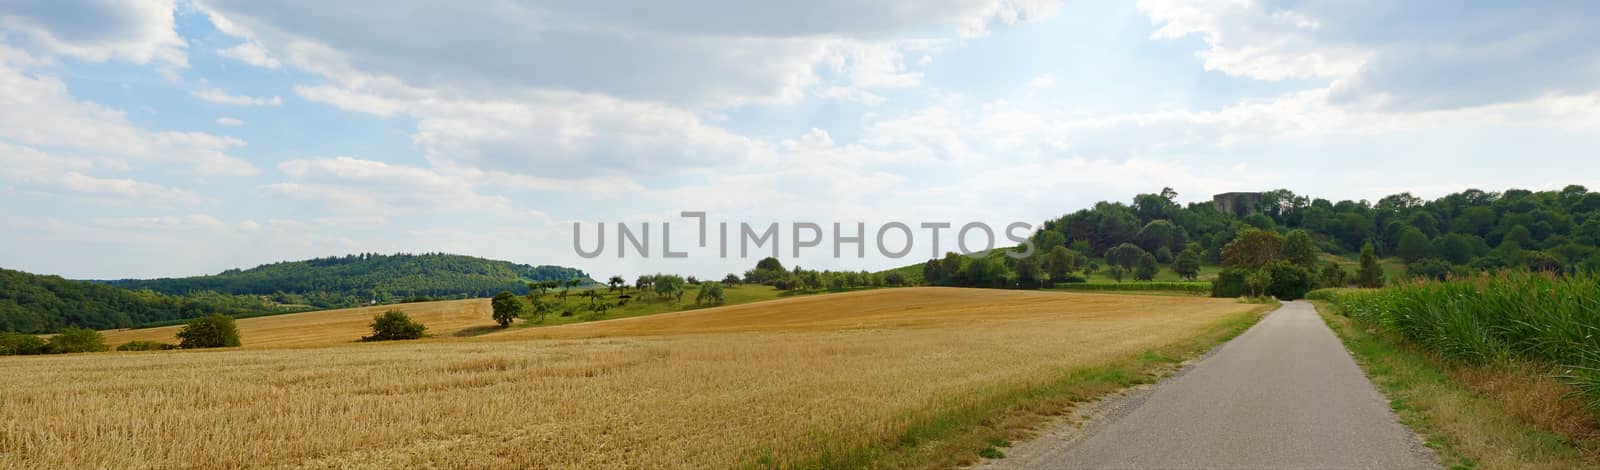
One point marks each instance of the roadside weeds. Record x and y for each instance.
(1505, 416)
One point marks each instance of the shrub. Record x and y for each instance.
(394, 325)
(1289, 281)
(16, 344)
(1431, 268)
(894, 279)
(145, 346)
(210, 331)
(76, 340)
(1229, 283)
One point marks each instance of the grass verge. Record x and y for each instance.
(1504, 416)
(962, 429)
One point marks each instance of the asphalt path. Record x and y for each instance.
(1284, 394)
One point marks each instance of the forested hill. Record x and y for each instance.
(363, 278)
(1474, 230)
(1457, 234)
(32, 303)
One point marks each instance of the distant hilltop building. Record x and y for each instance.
(1237, 203)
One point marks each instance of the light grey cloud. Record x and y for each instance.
(701, 53)
(1398, 56)
(138, 31)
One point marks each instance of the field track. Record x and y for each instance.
(1285, 394)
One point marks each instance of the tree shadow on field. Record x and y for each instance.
(476, 330)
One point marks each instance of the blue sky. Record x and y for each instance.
(162, 138)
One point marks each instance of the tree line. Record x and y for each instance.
(1468, 231)
(361, 279)
(31, 303)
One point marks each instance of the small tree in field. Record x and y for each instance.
(711, 293)
(211, 331)
(1187, 265)
(1369, 274)
(393, 325)
(1258, 281)
(1116, 272)
(506, 308)
(1146, 268)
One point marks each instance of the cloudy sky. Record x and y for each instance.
(157, 137)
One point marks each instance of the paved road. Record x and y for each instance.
(1285, 394)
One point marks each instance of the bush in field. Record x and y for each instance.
(1431, 268)
(1229, 283)
(1332, 276)
(17, 344)
(394, 325)
(76, 340)
(894, 279)
(1490, 319)
(211, 331)
(145, 346)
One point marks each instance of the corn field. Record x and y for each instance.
(1492, 319)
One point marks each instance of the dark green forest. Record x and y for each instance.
(1458, 234)
(1469, 230)
(363, 278)
(33, 303)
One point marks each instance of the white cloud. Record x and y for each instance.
(65, 176)
(167, 222)
(1447, 58)
(353, 186)
(1251, 40)
(689, 54)
(251, 53)
(137, 31)
(217, 95)
(1042, 81)
(37, 111)
(228, 121)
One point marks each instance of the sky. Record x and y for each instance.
(147, 138)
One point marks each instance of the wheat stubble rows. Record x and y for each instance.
(709, 388)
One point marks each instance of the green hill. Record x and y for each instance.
(32, 303)
(359, 279)
(1457, 234)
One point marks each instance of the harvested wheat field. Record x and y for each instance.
(329, 327)
(786, 383)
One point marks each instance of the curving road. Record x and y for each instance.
(1284, 394)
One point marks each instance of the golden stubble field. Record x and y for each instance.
(446, 318)
(782, 381)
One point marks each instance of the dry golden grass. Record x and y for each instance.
(783, 381)
(322, 328)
